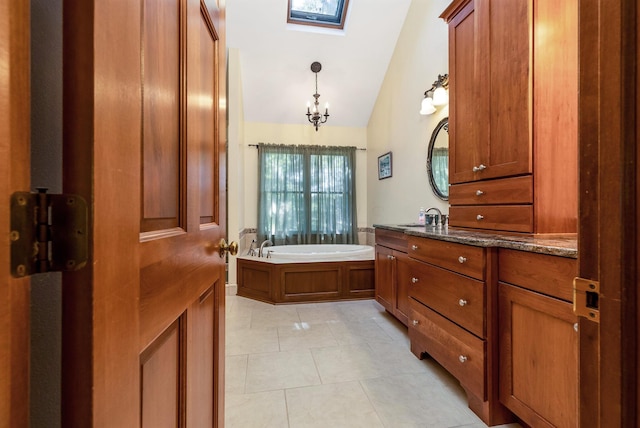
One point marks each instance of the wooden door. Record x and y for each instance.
(144, 138)
(14, 176)
(608, 236)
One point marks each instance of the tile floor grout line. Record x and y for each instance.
(382, 421)
(286, 407)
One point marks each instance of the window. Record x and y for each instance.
(321, 13)
(306, 195)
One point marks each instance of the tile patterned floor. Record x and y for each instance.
(344, 364)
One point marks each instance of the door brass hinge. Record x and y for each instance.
(586, 296)
(48, 233)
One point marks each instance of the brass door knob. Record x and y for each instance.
(224, 248)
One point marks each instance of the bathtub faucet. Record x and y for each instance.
(265, 243)
(252, 248)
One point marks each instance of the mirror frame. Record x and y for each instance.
(443, 124)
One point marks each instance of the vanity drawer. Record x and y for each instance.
(391, 239)
(460, 258)
(458, 351)
(550, 275)
(514, 218)
(457, 297)
(516, 190)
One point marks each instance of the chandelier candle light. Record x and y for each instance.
(314, 116)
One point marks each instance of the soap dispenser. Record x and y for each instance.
(421, 216)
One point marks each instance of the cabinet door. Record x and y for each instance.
(538, 357)
(403, 281)
(490, 121)
(385, 274)
(468, 108)
(508, 151)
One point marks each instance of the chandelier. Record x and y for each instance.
(314, 116)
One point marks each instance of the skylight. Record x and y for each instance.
(321, 13)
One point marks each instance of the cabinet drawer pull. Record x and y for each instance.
(415, 322)
(479, 193)
(479, 168)
(390, 257)
(462, 302)
(414, 280)
(462, 359)
(414, 247)
(479, 217)
(462, 259)
(575, 327)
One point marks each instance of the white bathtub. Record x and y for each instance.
(325, 252)
(315, 252)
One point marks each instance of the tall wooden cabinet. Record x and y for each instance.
(513, 115)
(392, 273)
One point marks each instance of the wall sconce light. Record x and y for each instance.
(435, 96)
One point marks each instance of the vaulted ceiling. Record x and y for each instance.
(275, 59)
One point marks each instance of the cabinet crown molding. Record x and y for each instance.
(453, 9)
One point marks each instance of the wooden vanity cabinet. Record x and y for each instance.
(513, 115)
(538, 338)
(392, 273)
(454, 317)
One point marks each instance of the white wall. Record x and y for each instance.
(235, 157)
(395, 125)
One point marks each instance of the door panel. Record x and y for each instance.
(161, 114)
(200, 350)
(160, 372)
(207, 122)
(14, 176)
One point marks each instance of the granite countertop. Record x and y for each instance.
(560, 245)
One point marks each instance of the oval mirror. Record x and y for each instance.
(438, 160)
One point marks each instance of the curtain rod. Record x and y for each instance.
(256, 146)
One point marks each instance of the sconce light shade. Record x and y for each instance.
(440, 96)
(436, 96)
(427, 106)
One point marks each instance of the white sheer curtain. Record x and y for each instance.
(307, 194)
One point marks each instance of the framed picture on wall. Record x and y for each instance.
(384, 166)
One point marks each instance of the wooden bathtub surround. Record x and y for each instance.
(305, 282)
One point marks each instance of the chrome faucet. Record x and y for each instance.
(265, 243)
(439, 221)
(252, 249)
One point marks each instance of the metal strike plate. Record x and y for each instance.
(586, 295)
(65, 233)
